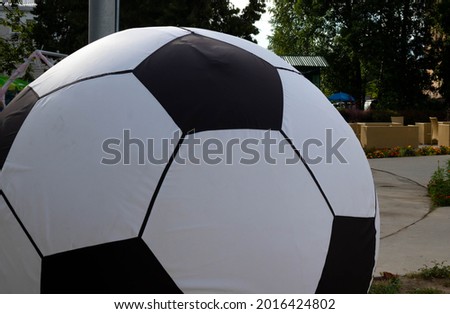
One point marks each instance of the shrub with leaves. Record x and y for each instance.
(438, 270)
(386, 286)
(439, 186)
(407, 151)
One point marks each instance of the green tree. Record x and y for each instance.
(406, 54)
(442, 40)
(19, 45)
(219, 15)
(62, 25)
(367, 43)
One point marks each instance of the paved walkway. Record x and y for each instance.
(411, 234)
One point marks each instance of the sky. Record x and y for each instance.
(263, 24)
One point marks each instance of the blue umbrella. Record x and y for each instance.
(344, 97)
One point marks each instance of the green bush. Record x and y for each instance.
(439, 270)
(427, 291)
(407, 151)
(439, 186)
(387, 286)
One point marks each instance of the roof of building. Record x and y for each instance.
(306, 61)
(25, 6)
(22, 3)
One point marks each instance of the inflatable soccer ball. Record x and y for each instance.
(181, 160)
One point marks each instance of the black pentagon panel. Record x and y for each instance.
(12, 118)
(351, 256)
(206, 84)
(126, 266)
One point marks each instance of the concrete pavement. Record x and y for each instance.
(412, 235)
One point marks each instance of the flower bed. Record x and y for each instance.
(406, 151)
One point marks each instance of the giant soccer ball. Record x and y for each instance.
(181, 160)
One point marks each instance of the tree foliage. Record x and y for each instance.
(62, 25)
(442, 38)
(380, 48)
(19, 44)
(219, 15)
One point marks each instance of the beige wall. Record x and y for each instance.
(389, 136)
(424, 133)
(444, 134)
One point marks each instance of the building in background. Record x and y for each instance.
(309, 66)
(27, 6)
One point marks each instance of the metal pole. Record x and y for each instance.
(117, 15)
(103, 18)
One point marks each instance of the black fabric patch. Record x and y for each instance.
(206, 84)
(127, 266)
(12, 118)
(351, 256)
